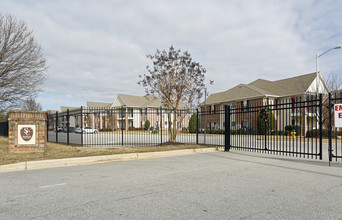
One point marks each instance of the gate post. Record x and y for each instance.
(329, 130)
(47, 127)
(161, 126)
(56, 126)
(197, 126)
(122, 135)
(320, 126)
(227, 128)
(67, 125)
(81, 126)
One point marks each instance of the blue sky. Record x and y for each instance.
(97, 49)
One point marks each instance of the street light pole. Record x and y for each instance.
(319, 55)
(205, 110)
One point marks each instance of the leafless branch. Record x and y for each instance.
(22, 64)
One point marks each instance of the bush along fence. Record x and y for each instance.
(4, 128)
(291, 126)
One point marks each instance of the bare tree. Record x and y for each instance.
(334, 82)
(175, 78)
(30, 104)
(22, 64)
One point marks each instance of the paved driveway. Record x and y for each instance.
(220, 185)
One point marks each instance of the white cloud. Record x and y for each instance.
(97, 49)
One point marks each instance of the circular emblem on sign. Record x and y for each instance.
(26, 133)
(263, 114)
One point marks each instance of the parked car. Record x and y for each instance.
(86, 130)
(90, 130)
(71, 129)
(78, 130)
(59, 128)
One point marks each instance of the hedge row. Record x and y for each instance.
(315, 133)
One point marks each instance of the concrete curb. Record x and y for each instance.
(41, 164)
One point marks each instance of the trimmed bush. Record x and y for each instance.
(216, 132)
(295, 128)
(147, 124)
(193, 123)
(315, 133)
(105, 129)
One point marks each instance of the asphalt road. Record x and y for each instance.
(220, 185)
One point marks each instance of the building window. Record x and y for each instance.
(245, 105)
(293, 100)
(233, 105)
(145, 111)
(271, 103)
(213, 109)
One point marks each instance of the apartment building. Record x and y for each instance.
(264, 92)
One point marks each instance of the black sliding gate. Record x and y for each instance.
(291, 127)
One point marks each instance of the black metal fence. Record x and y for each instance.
(120, 126)
(293, 126)
(4, 128)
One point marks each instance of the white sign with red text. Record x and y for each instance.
(338, 115)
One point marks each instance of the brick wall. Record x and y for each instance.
(212, 117)
(36, 119)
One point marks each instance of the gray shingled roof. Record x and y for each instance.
(65, 108)
(142, 101)
(264, 88)
(98, 104)
(289, 86)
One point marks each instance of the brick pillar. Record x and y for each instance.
(27, 131)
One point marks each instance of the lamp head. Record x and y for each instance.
(338, 47)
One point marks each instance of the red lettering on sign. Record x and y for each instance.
(339, 115)
(338, 107)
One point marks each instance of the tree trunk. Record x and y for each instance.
(169, 126)
(174, 129)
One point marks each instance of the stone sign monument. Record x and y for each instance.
(27, 131)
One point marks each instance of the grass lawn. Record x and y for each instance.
(58, 151)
